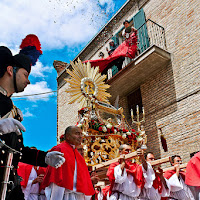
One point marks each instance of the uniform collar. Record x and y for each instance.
(3, 91)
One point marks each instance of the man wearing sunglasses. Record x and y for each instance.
(176, 178)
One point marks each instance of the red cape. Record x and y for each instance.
(157, 183)
(64, 175)
(127, 49)
(131, 168)
(193, 171)
(24, 171)
(170, 173)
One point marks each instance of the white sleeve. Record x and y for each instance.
(166, 192)
(119, 176)
(29, 188)
(149, 176)
(175, 184)
(123, 32)
(54, 191)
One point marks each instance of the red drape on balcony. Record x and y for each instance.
(127, 49)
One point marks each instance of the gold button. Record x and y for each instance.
(1, 161)
(20, 157)
(20, 149)
(19, 140)
(3, 151)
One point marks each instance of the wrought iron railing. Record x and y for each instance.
(149, 34)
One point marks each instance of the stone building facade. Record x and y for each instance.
(166, 74)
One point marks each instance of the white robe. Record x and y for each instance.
(31, 191)
(55, 192)
(179, 189)
(149, 192)
(125, 184)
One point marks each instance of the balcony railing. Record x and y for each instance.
(149, 34)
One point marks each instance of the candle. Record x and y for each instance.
(137, 109)
(143, 113)
(132, 113)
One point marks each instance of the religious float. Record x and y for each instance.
(104, 126)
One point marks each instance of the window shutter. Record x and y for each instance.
(139, 23)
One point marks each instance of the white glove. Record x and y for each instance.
(54, 159)
(10, 125)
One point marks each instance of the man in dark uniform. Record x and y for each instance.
(14, 72)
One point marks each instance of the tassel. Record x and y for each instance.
(163, 141)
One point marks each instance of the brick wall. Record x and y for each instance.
(171, 97)
(179, 83)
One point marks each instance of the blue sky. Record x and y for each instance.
(64, 27)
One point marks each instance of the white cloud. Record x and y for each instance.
(27, 113)
(39, 69)
(38, 87)
(56, 22)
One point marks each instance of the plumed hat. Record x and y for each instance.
(28, 55)
(7, 59)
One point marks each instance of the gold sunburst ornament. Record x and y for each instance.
(85, 83)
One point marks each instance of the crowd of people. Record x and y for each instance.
(127, 179)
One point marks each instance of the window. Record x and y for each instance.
(134, 99)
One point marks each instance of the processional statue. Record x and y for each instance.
(104, 127)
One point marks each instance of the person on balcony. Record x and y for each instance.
(176, 178)
(125, 177)
(155, 186)
(128, 30)
(112, 45)
(101, 54)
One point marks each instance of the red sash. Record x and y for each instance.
(64, 175)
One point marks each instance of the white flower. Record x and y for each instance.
(80, 125)
(128, 133)
(109, 126)
(139, 139)
(104, 129)
(85, 133)
(124, 136)
(115, 131)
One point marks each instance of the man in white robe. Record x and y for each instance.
(176, 179)
(125, 177)
(156, 186)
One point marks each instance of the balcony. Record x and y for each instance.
(152, 56)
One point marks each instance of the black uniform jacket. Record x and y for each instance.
(29, 156)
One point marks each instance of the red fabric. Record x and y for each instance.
(131, 168)
(157, 183)
(40, 170)
(170, 173)
(193, 171)
(64, 175)
(105, 191)
(127, 49)
(136, 171)
(24, 171)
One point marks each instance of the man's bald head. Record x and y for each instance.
(73, 135)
